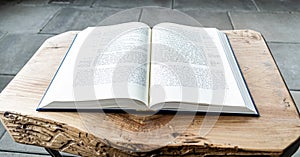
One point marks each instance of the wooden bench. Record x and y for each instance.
(276, 132)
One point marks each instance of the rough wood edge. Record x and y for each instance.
(58, 136)
(42, 132)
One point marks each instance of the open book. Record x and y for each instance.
(131, 66)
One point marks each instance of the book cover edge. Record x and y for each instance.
(41, 108)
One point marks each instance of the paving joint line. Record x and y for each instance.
(50, 19)
(172, 4)
(295, 90)
(282, 42)
(91, 6)
(5, 74)
(45, 33)
(32, 153)
(140, 15)
(256, 6)
(238, 11)
(230, 20)
(3, 35)
(21, 152)
(1, 135)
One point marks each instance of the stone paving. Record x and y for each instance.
(25, 24)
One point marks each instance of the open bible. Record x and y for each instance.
(131, 66)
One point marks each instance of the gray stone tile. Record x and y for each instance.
(278, 5)
(287, 58)
(218, 20)
(77, 19)
(2, 130)
(7, 144)
(86, 3)
(16, 49)
(216, 5)
(128, 15)
(73, 2)
(60, 2)
(20, 19)
(132, 3)
(9, 2)
(15, 154)
(34, 2)
(297, 153)
(82, 2)
(4, 80)
(2, 34)
(296, 97)
(281, 27)
(156, 15)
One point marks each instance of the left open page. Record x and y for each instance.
(106, 67)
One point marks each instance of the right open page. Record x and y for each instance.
(194, 69)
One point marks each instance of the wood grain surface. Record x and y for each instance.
(276, 132)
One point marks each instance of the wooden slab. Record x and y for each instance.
(276, 132)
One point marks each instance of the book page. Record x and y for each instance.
(106, 62)
(188, 64)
